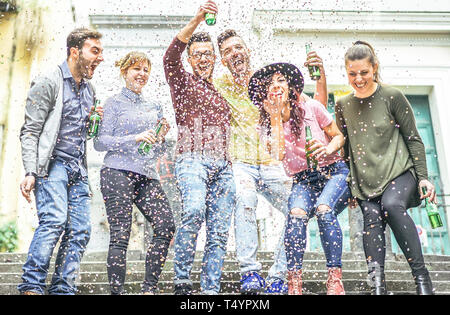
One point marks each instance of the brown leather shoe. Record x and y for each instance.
(30, 293)
(334, 282)
(295, 282)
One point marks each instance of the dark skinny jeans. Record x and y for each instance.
(391, 208)
(120, 190)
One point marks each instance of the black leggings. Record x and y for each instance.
(120, 189)
(391, 208)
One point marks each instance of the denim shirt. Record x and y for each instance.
(126, 115)
(71, 142)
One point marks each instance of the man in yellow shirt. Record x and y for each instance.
(255, 171)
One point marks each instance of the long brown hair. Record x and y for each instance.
(297, 113)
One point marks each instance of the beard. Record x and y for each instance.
(84, 67)
(241, 69)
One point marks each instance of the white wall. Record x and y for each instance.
(40, 31)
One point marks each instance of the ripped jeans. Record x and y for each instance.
(271, 182)
(323, 193)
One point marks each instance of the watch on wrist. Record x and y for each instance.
(31, 174)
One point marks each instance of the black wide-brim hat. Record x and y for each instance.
(257, 89)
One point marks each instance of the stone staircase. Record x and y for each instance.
(94, 279)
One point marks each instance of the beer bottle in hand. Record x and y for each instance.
(210, 19)
(94, 121)
(144, 147)
(432, 212)
(314, 71)
(310, 161)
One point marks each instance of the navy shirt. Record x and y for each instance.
(77, 102)
(126, 115)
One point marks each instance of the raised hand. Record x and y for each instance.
(274, 104)
(208, 7)
(313, 59)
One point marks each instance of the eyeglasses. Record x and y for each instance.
(198, 55)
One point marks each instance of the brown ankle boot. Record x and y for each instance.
(334, 282)
(30, 293)
(295, 282)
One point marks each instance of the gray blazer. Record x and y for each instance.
(43, 113)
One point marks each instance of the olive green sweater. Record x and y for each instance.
(382, 141)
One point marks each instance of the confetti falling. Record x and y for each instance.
(152, 34)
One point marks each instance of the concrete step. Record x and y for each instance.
(230, 265)
(168, 275)
(92, 256)
(319, 275)
(94, 279)
(232, 287)
(139, 255)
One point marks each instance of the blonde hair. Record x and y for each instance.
(130, 59)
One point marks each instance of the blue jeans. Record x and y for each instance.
(312, 189)
(208, 193)
(62, 202)
(271, 182)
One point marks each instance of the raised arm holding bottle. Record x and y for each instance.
(203, 167)
(255, 171)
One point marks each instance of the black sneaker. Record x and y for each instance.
(183, 289)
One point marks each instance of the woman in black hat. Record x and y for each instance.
(319, 186)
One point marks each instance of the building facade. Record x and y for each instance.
(32, 39)
(412, 42)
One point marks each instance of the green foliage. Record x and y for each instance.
(8, 237)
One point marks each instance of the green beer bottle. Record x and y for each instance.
(94, 121)
(310, 161)
(432, 212)
(210, 19)
(144, 147)
(314, 71)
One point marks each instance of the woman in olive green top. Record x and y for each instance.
(387, 164)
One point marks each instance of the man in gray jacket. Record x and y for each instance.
(53, 141)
